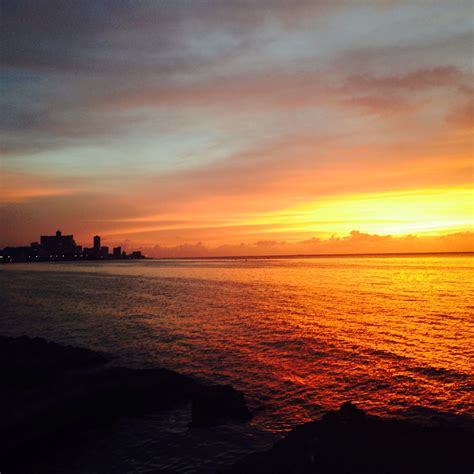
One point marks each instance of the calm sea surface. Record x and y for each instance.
(297, 335)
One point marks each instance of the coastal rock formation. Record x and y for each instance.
(211, 404)
(26, 361)
(349, 441)
(50, 392)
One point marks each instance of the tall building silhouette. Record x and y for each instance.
(96, 244)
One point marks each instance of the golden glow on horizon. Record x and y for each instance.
(431, 211)
(423, 212)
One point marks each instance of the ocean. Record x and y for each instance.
(393, 334)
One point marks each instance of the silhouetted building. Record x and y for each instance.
(38, 251)
(17, 254)
(59, 246)
(62, 247)
(97, 244)
(89, 253)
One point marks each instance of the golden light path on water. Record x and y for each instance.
(298, 335)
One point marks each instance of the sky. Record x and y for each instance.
(239, 127)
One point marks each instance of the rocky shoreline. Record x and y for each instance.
(349, 441)
(51, 392)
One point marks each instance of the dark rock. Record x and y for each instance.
(349, 441)
(51, 393)
(213, 403)
(28, 361)
(349, 413)
(86, 400)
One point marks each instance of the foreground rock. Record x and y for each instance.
(350, 442)
(26, 361)
(217, 402)
(51, 392)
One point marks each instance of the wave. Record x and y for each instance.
(439, 372)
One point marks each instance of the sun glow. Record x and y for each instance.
(431, 211)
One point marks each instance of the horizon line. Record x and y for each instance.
(316, 255)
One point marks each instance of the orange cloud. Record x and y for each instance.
(17, 187)
(354, 243)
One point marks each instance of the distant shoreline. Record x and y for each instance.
(256, 257)
(332, 255)
(77, 260)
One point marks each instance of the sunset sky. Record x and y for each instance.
(240, 127)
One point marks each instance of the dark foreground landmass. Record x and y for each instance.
(51, 392)
(349, 441)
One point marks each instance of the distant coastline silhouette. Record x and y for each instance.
(64, 248)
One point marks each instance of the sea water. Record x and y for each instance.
(298, 335)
